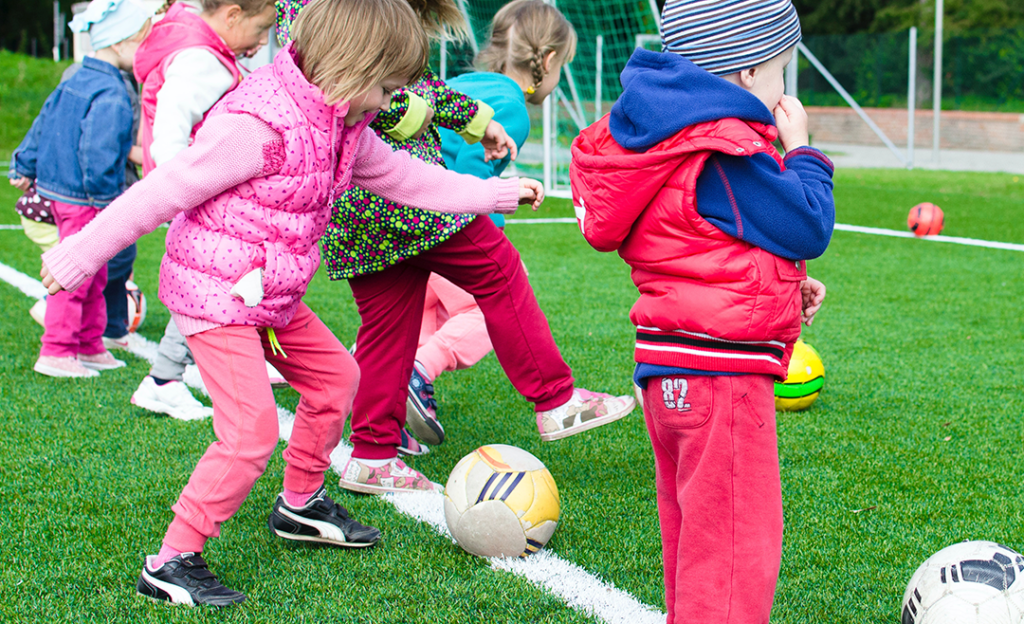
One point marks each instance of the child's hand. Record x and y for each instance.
(427, 120)
(49, 283)
(791, 120)
(531, 192)
(813, 294)
(135, 155)
(21, 183)
(497, 143)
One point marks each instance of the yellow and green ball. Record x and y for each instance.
(804, 379)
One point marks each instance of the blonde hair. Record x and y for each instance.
(345, 47)
(442, 18)
(249, 7)
(523, 32)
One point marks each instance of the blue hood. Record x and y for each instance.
(662, 93)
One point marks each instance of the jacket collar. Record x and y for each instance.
(102, 66)
(307, 97)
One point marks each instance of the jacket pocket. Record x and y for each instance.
(790, 270)
(681, 402)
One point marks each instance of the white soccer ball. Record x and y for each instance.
(967, 583)
(500, 501)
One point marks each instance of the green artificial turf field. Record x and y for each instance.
(914, 444)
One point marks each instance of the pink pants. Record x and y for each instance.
(75, 321)
(480, 260)
(230, 360)
(454, 334)
(719, 495)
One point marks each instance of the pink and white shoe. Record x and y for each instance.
(586, 410)
(100, 361)
(394, 476)
(62, 367)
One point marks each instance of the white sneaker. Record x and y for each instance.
(38, 312)
(586, 410)
(129, 342)
(277, 380)
(173, 398)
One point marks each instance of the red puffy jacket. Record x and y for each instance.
(708, 301)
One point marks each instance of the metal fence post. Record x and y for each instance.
(911, 96)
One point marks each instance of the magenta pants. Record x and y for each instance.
(719, 495)
(480, 260)
(75, 321)
(245, 420)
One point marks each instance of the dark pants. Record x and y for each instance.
(480, 260)
(115, 293)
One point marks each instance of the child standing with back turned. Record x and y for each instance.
(683, 181)
(250, 199)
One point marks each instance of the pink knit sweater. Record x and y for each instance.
(232, 149)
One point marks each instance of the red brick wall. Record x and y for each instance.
(998, 132)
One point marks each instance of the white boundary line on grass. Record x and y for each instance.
(574, 585)
(938, 238)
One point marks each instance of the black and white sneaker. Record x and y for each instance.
(185, 579)
(320, 520)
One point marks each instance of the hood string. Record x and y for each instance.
(275, 346)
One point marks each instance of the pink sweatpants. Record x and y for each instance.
(75, 321)
(230, 360)
(719, 495)
(454, 333)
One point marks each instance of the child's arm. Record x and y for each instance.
(193, 83)
(106, 129)
(23, 160)
(398, 177)
(228, 150)
(409, 114)
(472, 158)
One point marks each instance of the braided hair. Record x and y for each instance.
(523, 34)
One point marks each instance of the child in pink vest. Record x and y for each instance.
(185, 66)
(250, 199)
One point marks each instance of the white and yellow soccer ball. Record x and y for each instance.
(967, 583)
(500, 501)
(804, 379)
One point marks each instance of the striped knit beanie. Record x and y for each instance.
(726, 36)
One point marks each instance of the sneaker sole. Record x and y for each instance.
(362, 488)
(319, 526)
(587, 426)
(50, 371)
(159, 408)
(426, 429)
(101, 367)
(424, 450)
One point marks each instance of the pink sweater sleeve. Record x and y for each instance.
(409, 181)
(228, 150)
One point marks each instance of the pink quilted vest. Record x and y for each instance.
(178, 30)
(272, 222)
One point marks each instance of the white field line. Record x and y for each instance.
(938, 238)
(8, 226)
(577, 587)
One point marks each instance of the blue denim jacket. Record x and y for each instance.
(77, 148)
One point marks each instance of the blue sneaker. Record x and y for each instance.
(421, 408)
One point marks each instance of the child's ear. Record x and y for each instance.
(748, 77)
(549, 58)
(232, 14)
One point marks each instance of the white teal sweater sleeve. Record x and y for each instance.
(195, 79)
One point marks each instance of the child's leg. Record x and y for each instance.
(460, 341)
(172, 355)
(719, 495)
(326, 376)
(94, 316)
(481, 260)
(61, 337)
(231, 362)
(390, 305)
(114, 293)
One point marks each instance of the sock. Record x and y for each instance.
(166, 554)
(375, 463)
(161, 382)
(297, 499)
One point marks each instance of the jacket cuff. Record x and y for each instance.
(813, 153)
(473, 132)
(63, 269)
(412, 121)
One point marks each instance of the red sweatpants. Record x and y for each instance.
(231, 361)
(480, 260)
(719, 495)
